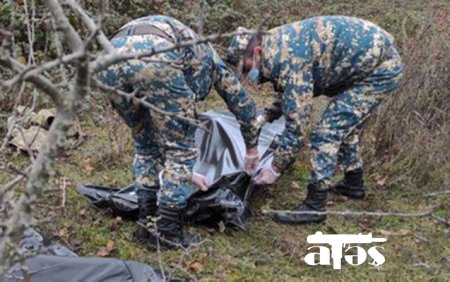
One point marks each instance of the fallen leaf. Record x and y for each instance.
(89, 169)
(116, 223)
(401, 232)
(295, 185)
(203, 256)
(196, 267)
(111, 246)
(63, 233)
(365, 224)
(382, 180)
(106, 251)
(22, 60)
(102, 252)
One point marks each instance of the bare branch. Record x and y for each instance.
(5, 33)
(114, 57)
(39, 175)
(21, 215)
(438, 193)
(34, 70)
(143, 102)
(8, 186)
(72, 38)
(348, 213)
(27, 145)
(5, 188)
(440, 219)
(30, 29)
(91, 26)
(40, 81)
(201, 18)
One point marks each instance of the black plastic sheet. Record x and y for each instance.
(221, 160)
(46, 261)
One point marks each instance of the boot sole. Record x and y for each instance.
(350, 196)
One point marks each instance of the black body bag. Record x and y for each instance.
(221, 160)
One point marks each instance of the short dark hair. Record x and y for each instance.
(255, 41)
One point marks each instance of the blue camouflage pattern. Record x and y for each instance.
(172, 81)
(351, 60)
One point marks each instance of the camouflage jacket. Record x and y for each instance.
(316, 56)
(203, 68)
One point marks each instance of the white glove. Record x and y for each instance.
(251, 163)
(200, 180)
(266, 176)
(261, 120)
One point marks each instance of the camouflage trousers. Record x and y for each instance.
(335, 139)
(164, 145)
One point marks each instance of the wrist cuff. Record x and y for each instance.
(273, 171)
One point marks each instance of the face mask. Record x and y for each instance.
(253, 74)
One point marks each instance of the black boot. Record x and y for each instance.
(315, 201)
(351, 186)
(169, 230)
(147, 201)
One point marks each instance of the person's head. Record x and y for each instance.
(244, 53)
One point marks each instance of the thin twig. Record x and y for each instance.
(17, 171)
(143, 102)
(114, 56)
(72, 38)
(348, 213)
(421, 238)
(64, 189)
(34, 70)
(5, 33)
(21, 215)
(8, 186)
(15, 118)
(440, 219)
(438, 193)
(25, 142)
(90, 24)
(39, 81)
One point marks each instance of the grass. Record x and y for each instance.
(417, 248)
(267, 251)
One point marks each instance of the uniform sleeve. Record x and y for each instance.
(237, 99)
(296, 105)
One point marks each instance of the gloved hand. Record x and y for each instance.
(251, 160)
(266, 176)
(200, 180)
(261, 120)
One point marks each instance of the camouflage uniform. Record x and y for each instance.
(348, 59)
(172, 81)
